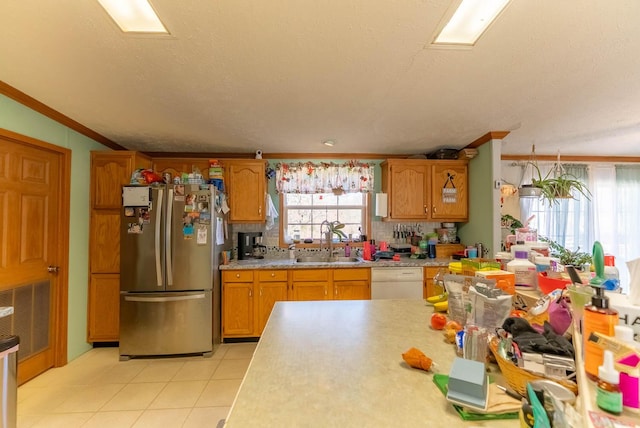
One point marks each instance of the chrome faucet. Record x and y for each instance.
(327, 236)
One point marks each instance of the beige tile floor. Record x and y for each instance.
(98, 390)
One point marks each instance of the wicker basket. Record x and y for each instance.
(517, 377)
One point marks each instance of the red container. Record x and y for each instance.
(547, 285)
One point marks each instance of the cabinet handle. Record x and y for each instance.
(335, 290)
(273, 274)
(250, 293)
(237, 275)
(426, 210)
(433, 209)
(260, 291)
(325, 290)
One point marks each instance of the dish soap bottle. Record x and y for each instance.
(598, 316)
(608, 395)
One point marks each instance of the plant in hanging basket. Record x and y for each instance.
(561, 186)
(557, 184)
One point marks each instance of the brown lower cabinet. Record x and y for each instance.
(248, 296)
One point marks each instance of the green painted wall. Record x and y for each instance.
(20, 119)
(483, 207)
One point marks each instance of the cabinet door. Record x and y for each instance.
(449, 192)
(429, 288)
(352, 284)
(351, 290)
(237, 309)
(104, 308)
(109, 171)
(408, 191)
(176, 166)
(105, 241)
(268, 294)
(246, 189)
(305, 290)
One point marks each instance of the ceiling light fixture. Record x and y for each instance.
(329, 143)
(134, 16)
(469, 21)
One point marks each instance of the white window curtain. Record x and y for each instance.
(324, 177)
(610, 217)
(567, 222)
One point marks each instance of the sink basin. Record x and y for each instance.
(344, 259)
(321, 259)
(312, 259)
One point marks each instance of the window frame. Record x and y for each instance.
(316, 244)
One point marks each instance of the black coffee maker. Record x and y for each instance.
(247, 243)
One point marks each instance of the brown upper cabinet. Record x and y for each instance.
(426, 190)
(245, 182)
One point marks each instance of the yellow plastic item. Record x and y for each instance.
(441, 306)
(439, 298)
(455, 268)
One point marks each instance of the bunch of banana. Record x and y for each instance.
(439, 298)
(441, 306)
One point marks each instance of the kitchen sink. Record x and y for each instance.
(321, 259)
(312, 259)
(344, 259)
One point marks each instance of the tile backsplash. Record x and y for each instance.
(380, 231)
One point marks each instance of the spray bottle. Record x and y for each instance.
(598, 317)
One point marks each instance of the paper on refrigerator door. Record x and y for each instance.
(136, 196)
(219, 231)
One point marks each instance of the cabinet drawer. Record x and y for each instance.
(272, 275)
(237, 276)
(311, 274)
(350, 274)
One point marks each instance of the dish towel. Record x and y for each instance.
(271, 212)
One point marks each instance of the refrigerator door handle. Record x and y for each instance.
(168, 230)
(163, 299)
(157, 240)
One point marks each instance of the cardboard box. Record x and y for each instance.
(506, 281)
(629, 314)
(471, 266)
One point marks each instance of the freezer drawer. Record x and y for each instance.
(168, 323)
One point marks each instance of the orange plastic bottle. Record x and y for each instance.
(601, 318)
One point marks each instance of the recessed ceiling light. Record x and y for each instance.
(469, 22)
(329, 143)
(134, 16)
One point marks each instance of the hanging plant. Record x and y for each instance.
(557, 184)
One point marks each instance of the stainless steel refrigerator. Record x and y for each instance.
(169, 280)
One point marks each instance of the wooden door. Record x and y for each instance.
(104, 307)
(34, 232)
(351, 290)
(268, 294)
(237, 309)
(310, 291)
(449, 192)
(246, 187)
(351, 284)
(408, 191)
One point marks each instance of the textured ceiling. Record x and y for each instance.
(284, 75)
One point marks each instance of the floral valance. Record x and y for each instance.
(324, 177)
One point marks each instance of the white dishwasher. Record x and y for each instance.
(396, 283)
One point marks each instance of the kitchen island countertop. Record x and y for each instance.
(339, 364)
(292, 264)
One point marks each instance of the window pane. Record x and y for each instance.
(325, 199)
(304, 213)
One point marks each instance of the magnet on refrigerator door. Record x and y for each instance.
(201, 237)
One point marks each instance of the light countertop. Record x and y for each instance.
(292, 264)
(339, 364)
